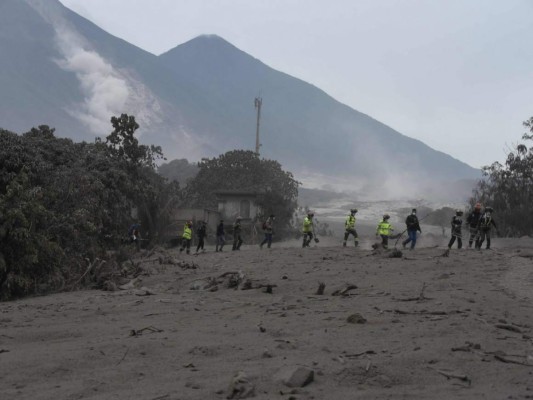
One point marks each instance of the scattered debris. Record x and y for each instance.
(240, 387)
(455, 375)
(396, 253)
(133, 284)
(266, 354)
(469, 346)
(355, 355)
(513, 359)
(150, 329)
(124, 356)
(186, 265)
(144, 291)
(344, 292)
(508, 327)
(109, 286)
(356, 319)
(247, 285)
(297, 376)
(321, 288)
(4, 351)
(420, 297)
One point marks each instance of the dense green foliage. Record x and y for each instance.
(509, 189)
(244, 171)
(63, 203)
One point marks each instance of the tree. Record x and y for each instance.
(123, 144)
(508, 188)
(244, 171)
(62, 203)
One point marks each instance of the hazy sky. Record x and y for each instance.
(456, 74)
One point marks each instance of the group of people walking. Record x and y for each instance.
(201, 233)
(480, 224)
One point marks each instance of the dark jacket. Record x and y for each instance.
(412, 223)
(473, 219)
(236, 228)
(201, 232)
(485, 222)
(457, 224)
(220, 229)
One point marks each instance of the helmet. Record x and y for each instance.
(310, 214)
(459, 212)
(386, 216)
(413, 211)
(477, 206)
(353, 210)
(189, 223)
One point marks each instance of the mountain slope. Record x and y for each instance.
(300, 123)
(195, 101)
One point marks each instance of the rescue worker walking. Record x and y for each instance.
(202, 234)
(187, 237)
(308, 229)
(485, 223)
(473, 224)
(221, 236)
(237, 239)
(413, 226)
(268, 228)
(349, 227)
(384, 230)
(457, 226)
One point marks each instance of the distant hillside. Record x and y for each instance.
(197, 100)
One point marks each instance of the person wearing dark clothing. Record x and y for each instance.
(237, 239)
(413, 226)
(473, 224)
(486, 222)
(268, 228)
(201, 232)
(457, 225)
(135, 234)
(221, 236)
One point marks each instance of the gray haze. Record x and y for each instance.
(456, 74)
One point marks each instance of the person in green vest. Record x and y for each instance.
(349, 226)
(308, 229)
(186, 237)
(384, 230)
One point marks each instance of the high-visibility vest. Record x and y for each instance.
(350, 222)
(187, 232)
(308, 225)
(384, 228)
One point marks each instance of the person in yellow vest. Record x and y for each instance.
(308, 229)
(187, 237)
(349, 225)
(384, 230)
